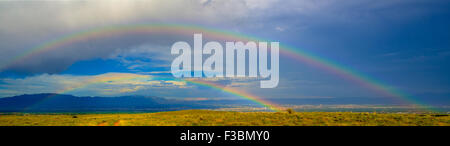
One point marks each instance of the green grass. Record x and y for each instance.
(224, 118)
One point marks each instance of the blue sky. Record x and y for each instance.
(402, 43)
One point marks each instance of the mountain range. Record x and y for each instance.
(54, 103)
(51, 102)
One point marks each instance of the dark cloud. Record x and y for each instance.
(25, 25)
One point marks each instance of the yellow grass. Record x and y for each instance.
(223, 118)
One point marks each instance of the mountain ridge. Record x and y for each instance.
(53, 102)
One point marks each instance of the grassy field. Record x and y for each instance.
(223, 118)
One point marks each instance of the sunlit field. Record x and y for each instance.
(225, 118)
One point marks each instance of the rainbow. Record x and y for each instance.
(117, 77)
(238, 93)
(182, 29)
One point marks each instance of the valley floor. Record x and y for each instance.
(224, 118)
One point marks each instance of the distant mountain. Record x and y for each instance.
(50, 102)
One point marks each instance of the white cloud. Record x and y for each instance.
(279, 28)
(89, 85)
(259, 4)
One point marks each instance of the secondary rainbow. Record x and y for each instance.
(183, 29)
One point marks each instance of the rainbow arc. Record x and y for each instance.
(182, 29)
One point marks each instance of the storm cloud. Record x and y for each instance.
(28, 24)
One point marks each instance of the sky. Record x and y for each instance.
(401, 44)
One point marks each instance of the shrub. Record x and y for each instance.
(290, 111)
